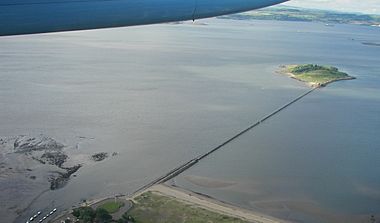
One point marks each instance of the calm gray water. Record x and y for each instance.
(318, 160)
(161, 95)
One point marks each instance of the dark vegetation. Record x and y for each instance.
(100, 215)
(312, 67)
(89, 215)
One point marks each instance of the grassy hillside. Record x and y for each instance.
(316, 75)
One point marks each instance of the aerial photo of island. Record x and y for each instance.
(268, 115)
(315, 75)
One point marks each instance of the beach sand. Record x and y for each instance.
(209, 204)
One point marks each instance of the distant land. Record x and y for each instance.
(286, 13)
(371, 44)
(315, 75)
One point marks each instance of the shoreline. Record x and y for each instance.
(188, 197)
(209, 203)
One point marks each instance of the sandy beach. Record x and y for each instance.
(210, 204)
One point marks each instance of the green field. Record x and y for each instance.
(154, 208)
(112, 206)
(316, 74)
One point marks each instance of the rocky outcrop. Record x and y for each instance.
(62, 178)
(46, 151)
(25, 144)
(56, 158)
(99, 156)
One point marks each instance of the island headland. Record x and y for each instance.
(315, 75)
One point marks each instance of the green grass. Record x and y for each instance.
(316, 74)
(112, 206)
(154, 208)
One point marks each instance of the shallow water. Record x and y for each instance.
(318, 160)
(161, 95)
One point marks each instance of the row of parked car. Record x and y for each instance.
(34, 217)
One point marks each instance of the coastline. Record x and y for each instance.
(209, 203)
(191, 198)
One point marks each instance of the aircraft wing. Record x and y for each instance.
(41, 16)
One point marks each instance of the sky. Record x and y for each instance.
(363, 6)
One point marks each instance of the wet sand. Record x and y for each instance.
(30, 166)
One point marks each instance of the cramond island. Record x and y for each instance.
(315, 75)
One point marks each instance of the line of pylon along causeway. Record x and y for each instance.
(180, 169)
